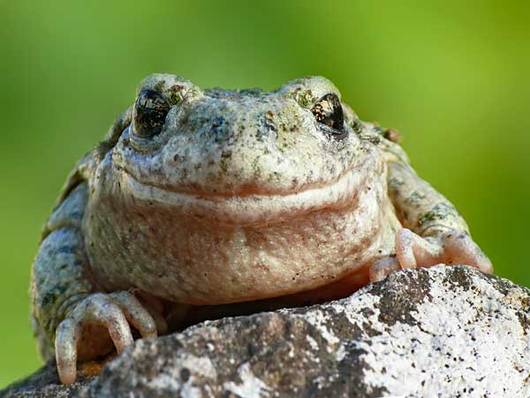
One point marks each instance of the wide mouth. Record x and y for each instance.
(251, 208)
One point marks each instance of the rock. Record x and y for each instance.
(443, 331)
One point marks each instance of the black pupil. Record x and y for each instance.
(150, 113)
(328, 111)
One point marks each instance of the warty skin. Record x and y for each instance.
(212, 197)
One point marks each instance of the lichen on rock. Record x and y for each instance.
(442, 331)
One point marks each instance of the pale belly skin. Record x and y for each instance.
(185, 258)
(205, 203)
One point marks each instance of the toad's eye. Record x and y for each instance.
(328, 112)
(149, 114)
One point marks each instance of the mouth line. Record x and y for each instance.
(251, 207)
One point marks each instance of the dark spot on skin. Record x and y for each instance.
(185, 374)
(48, 299)
(415, 198)
(374, 140)
(395, 182)
(225, 158)
(217, 126)
(251, 92)
(441, 211)
(269, 123)
(66, 249)
(159, 86)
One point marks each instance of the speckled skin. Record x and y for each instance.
(238, 196)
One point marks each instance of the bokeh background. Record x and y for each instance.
(452, 76)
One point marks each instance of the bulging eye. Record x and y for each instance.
(149, 114)
(328, 112)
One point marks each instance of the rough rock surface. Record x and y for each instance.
(444, 331)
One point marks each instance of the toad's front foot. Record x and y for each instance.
(412, 251)
(97, 323)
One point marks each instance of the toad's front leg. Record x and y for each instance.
(71, 319)
(450, 247)
(433, 230)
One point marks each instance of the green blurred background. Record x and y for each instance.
(452, 76)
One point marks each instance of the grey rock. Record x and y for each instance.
(438, 332)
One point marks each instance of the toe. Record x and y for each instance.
(382, 268)
(135, 313)
(116, 323)
(405, 248)
(66, 338)
(460, 248)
